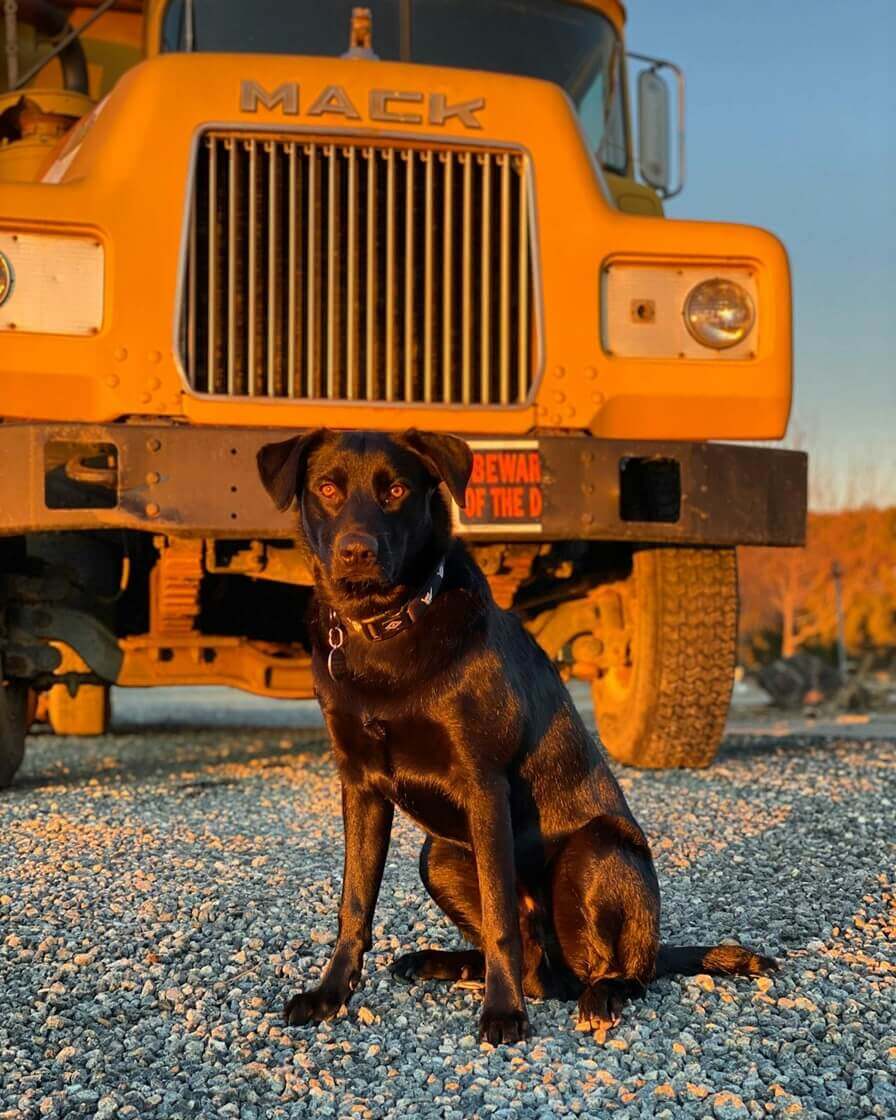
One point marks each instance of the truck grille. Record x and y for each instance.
(358, 272)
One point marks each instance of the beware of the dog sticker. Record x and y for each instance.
(505, 489)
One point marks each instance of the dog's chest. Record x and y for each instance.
(411, 762)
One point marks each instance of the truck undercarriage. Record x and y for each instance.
(103, 585)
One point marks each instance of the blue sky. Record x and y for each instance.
(791, 125)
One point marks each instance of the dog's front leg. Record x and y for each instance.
(367, 821)
(504, 1017)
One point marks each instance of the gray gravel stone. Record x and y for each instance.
(162, 891)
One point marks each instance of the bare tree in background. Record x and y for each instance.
(790, 591)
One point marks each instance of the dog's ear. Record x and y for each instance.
(448, 458)
(281, 466)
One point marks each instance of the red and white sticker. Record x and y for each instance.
(505, 493)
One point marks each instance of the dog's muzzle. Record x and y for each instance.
(357, 557)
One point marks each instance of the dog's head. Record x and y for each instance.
(370, 506)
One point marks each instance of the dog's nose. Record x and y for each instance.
(357, 548)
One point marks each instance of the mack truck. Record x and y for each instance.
(226, 221)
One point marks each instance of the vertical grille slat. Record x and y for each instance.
(331, 312)
(351, 277)
(338, 270)
(232, 200)
(371, 276)
(448, 350)
(504, 274)
(252, 315)
(275, 381)
(212, 345)
(485, 277)
(467, 286)
(410, 279)
(312, 274)
(428, 266)
(293, 254)
(391, 222)
(523, 294)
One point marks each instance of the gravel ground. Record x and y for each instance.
(162, 889)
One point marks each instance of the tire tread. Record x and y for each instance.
(680, 706)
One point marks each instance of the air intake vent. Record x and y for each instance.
(353, 272)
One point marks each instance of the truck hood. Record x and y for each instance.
(124, 174)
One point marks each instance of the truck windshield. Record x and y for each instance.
(565, 43)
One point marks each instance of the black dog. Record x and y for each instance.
(440, 703)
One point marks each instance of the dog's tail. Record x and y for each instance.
(718, 960)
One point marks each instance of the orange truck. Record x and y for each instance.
(224, 220)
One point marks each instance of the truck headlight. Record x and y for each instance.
(719, 313)
(51, 284)
(7, 279)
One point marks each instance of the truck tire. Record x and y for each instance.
(666, 706)
(85, 713)
(14, 723)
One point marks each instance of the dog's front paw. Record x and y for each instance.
(503, 1026)
(314, 1006)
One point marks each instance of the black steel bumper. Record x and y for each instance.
(195, 481)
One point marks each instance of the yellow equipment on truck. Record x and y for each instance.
(223, 220)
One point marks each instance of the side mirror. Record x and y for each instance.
(655, 141)
(654, 154)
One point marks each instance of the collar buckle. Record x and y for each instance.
(335, 640)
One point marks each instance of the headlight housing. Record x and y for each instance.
(645, 307)
(55, 283)
(719, 313)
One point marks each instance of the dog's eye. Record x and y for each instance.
(397, 490)
(327, 490)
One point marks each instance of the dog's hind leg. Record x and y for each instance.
(448, 872)
(606, 915)
(441, 964)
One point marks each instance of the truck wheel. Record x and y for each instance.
(14, 723)
(85, 713)
(671, 629)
